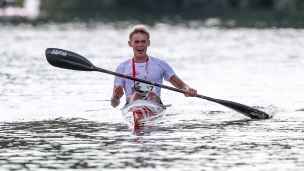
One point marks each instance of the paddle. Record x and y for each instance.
(70, 60)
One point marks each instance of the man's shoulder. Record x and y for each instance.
(125, 63)
(122, 66)
(155, 59)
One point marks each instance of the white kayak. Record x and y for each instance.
(143, 112)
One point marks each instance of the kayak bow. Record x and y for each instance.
(143, 112)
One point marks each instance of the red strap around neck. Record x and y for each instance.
(134, 70)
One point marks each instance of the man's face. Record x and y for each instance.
(139, 43)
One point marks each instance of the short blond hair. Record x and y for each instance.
(139, 29)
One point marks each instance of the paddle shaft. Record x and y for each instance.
(70, 60)
(232, 105)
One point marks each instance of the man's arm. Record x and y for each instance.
(178, 83)
(117, 94)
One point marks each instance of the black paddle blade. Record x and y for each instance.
(246, 110)
(68, 60)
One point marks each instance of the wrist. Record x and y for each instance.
(115, 96)
(115, 102)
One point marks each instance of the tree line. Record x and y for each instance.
(171, 5)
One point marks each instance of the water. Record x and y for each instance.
(52, 118)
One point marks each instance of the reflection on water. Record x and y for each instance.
(52, 118)
(66, 144)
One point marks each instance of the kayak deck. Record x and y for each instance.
(143, 112)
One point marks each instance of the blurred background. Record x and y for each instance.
(232, 13)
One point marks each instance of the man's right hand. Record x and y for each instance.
(117, 94)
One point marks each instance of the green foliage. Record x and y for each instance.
(271, 13)
(171, 5)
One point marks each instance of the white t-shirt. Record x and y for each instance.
(157, 70)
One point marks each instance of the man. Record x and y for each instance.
(144, 67)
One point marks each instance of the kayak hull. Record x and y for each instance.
(143, 112)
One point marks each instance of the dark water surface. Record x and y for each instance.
(67, 144)
(55, 119)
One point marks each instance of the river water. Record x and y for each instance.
(55, 119)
